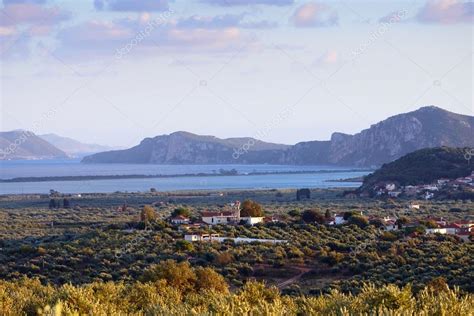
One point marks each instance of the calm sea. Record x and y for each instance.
(52, 168)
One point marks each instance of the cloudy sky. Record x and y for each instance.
(116, 71)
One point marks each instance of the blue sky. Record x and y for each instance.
(116, 71)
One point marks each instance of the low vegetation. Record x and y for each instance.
(170, 293)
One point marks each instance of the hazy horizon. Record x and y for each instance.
(113, 72)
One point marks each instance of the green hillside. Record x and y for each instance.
(423, 167)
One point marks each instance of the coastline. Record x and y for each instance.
(161, 176)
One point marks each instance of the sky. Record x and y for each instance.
(116, 71)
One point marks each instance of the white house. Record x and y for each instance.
(215, 218)
(390, 225)
(431, 187)
(229, 217)
(252, 220)
(438, 230)
(428, 195)
(394, 193)
(452, 229)
(339, 219)
(179, 220)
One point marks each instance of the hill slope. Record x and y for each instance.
(72, 146)
(423, 166)
(383, 142)
(26, 145)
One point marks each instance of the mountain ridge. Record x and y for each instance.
(184, 147)
(382, 142)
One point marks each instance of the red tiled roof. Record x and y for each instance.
(464, 222)
(452, 225)
(216, 214)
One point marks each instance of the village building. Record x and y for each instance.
(200, 237)
(179, 220)
(443, 181)
(339, 219)
(394, 193)
(272, 219)
(390, 225)
(225, 217)
(229, 217)
(437, 230)
(251, 220)
(463, 229)
(452, 228)
(428, 195)
(466, 224)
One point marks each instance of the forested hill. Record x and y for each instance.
(423, 166)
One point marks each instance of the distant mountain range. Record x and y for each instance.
(73, 147)
(383, 142)
(21, 144)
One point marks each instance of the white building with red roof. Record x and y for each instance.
(224, 217)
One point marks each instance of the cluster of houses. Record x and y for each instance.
(426, 191)
(462, 229)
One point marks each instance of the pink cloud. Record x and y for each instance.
(7, 31)
(446, 12)
(32, 14)
(104, 38)
(314, 14)
(214, 38)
